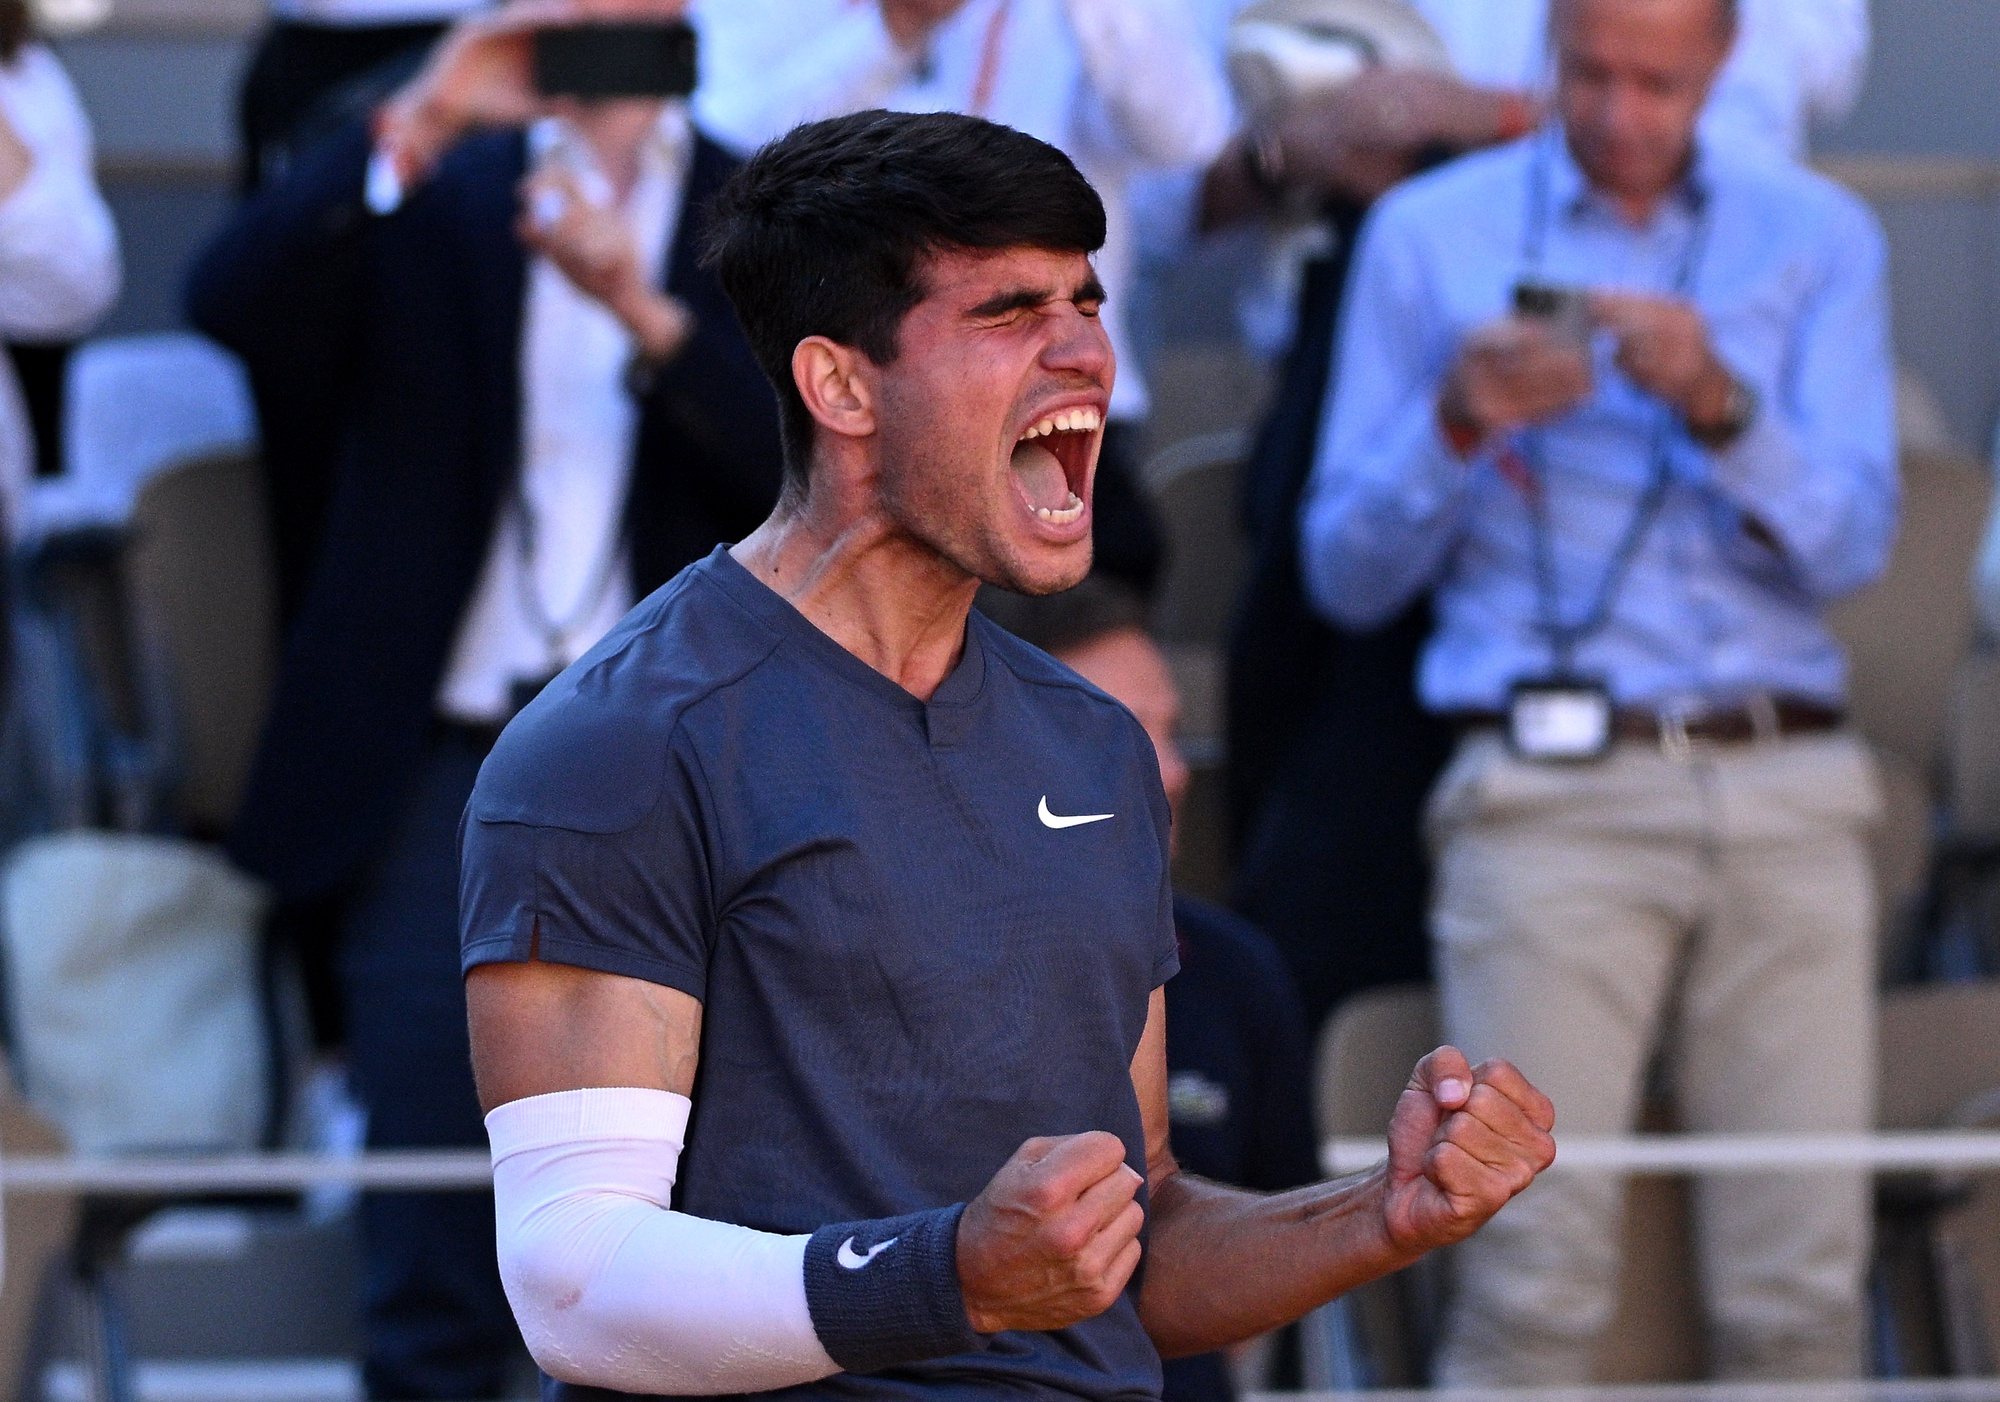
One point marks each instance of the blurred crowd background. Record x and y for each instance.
(334, 420)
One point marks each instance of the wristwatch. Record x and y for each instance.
(1738, 411)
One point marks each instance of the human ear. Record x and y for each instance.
(836, 394)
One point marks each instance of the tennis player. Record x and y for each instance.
(815, 928)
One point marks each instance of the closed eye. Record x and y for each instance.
(1016, 302)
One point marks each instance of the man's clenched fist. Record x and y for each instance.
(1462, 1142)
(1053, 1238)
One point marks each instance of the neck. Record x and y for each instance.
(890, 601)
(615, 132)
(1638, 206)
(1637, 209)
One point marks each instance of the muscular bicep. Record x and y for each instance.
(538, 1028)
(1149, 1083)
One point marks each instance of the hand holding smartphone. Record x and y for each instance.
(502, 68)
(1564, 310)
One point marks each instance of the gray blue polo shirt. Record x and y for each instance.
(921, 932)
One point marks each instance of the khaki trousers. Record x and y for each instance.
(1718, 908)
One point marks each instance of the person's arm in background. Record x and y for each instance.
(59, 268)
(1356, 141)
(285, 269)
(1159, 88)
(1830, 47)
(283, 272)
(1815, 474)
(768, 65)
(1796, 66)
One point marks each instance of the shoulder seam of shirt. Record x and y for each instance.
(675, 720)
(774, 641)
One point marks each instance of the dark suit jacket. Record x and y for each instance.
(414, 321)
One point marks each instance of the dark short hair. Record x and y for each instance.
(822, 232)
(1073, 619)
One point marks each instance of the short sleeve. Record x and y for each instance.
(536, 882)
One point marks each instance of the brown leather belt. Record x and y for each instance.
(1766, 718)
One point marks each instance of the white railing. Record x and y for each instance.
(185, 1174)
(193, 1174)
(1740, 1153)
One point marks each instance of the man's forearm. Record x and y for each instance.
(1224, 1265)
(1156, 78)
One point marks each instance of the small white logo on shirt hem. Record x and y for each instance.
(855, 1260)
(1051, 820)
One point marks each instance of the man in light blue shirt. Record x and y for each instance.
(1623, 406)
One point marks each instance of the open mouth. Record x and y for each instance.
(1052, 463)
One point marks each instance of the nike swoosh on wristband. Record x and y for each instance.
(855, 1260)
(1051, 820)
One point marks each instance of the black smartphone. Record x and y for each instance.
(650, 58)
(1566, 309)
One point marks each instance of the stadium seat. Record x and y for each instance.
(1908, 637)
(1195, 484)
(1939, 1248)
(135, 405)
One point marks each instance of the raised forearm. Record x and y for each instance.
(1224, 1265)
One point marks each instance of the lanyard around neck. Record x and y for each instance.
(1565, 636)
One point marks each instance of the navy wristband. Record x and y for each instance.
(886, 1292)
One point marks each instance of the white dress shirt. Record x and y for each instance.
(578, 422)
(59, 267)
(1119, 86)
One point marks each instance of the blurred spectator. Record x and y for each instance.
(310, 61)
(1317, 711)
(1238, 1060)
(1329, 755)
(58, 249)
(1119, 85)
(537, 435)
(1622, 404)
(317, 64)
(58, 264)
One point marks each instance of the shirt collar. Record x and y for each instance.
(1569, 189)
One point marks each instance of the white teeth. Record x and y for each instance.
(1062, 516)
(1068, 421)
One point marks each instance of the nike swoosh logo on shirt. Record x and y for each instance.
(855, 1260)
(1051, 820)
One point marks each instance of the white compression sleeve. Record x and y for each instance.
(613, 1289)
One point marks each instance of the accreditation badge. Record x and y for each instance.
(1560, 719)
